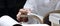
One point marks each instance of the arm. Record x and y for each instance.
(29, 4)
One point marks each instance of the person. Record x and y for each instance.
(10, 7)
(39, 7)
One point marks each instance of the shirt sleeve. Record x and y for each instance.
(58, 6)
(30, 4)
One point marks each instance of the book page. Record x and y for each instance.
(7, 21)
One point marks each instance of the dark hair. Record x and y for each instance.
(17, 25)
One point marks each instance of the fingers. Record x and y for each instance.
(18, 15)
(25, 10)
(22, 10)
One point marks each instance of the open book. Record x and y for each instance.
(7, 21)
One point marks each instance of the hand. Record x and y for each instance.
(22, 10)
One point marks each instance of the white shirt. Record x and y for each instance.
(41, 7)
(57, 6)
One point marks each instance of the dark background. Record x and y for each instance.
(11, 7)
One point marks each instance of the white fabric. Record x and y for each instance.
(41, 17)
(41, 7)
(54, 18)
(58, 6)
